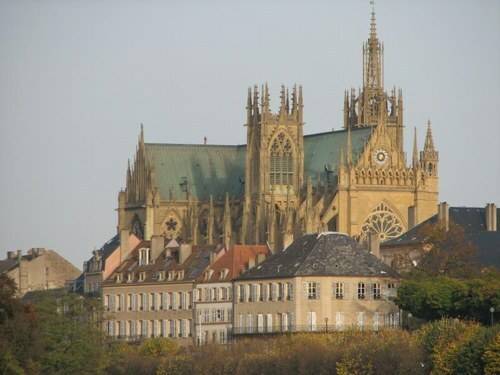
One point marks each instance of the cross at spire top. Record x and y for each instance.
(373, 22)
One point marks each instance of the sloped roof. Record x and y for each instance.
(7, 264)
(473, 220)
(217, 169)
(193, 266)
(324, 254)
(235, 260)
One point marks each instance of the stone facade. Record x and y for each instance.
(39, 269)
(282, 183)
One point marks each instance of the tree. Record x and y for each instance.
(447, 252)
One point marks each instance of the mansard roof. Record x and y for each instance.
(217, 169)
(473, 221)
(323, 254)
(192, 267)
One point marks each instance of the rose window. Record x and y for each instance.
(383, 222)
(172, 227)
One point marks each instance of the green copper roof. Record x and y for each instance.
(215, 169)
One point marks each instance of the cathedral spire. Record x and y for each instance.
(372, 56)
(429, 142)
(415, 150)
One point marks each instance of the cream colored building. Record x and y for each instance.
(214, 291)
(151, 293)
(38, 269)
(282, 183)
(320, 282)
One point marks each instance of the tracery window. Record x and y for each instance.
(172, 227)
(281, 161)
(383, 222)
(137, 228)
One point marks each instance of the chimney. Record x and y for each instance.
(19, 253)
(185, 251)
(444, 215)
(260, 258)
(11, 255)
(374, 244)
(124, 244)
(251, 263)
(213, 256)
(157, 246)
(491, 217)
(412, 217)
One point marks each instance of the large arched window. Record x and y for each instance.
(281, 161)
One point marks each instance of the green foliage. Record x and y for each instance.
(430, 297)
(491, 356)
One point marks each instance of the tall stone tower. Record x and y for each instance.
(274, 166)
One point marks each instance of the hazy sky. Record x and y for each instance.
(78, 77)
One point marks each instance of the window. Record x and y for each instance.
(311, 320)
(121, 302)
(153, 301)
(312, 290)
(144, 332)
(142, 276)
(280, 291)
(269, 323)
(118, 277)
(130, 277)
(261, 292)
(361, 290)
(289, 294)
(106, 302)
(273, 292)
(376, 291)
(242, 293)
(133, 328)
(339, 290)
(361, 320)
(133, 304)
(249, 323)
(376, 323)
(143, 256)
(172, 328)
(284, 322)
(281, 161)
(260, 323)
(339, 321)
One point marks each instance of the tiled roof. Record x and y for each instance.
(473, 220)
(235, 261)
(193, 266)
(324, 254)
(217, 169)
(7, 265)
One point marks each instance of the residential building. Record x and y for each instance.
(480, 226)
(213, 295)
(105, 260)
(150, 294)
(38, 269)
(324, 281)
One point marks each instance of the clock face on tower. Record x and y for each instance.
(380, 156)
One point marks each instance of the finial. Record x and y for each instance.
(415, 149)
(373, 23)
(429, 142)
(349, 146)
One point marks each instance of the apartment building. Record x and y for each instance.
(150, 294)
(321, 282)
(214, 291)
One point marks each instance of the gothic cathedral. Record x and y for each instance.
(282, 183)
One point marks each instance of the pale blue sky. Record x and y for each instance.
(78, 77)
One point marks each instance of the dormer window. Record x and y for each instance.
(161, 275)
(144, 256)
(180, 275)
(118, 278)
(223, 274)
(130, 277)
(142, 276)
(171, 275)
